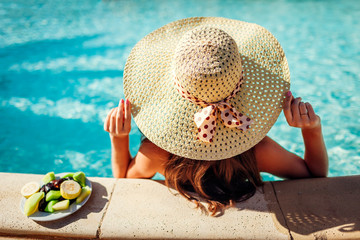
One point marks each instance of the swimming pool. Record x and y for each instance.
(61, 67)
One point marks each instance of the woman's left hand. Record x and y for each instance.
(118, 120)
(299, 114)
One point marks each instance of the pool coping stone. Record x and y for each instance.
(323, 208)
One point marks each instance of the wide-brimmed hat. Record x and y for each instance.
(206, 88)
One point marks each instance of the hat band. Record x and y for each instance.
(205, 119)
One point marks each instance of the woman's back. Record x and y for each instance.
(269, 156)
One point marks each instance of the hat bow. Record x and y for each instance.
(206, 118)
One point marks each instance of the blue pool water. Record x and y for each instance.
(61, 68)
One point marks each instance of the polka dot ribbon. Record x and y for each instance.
(205, 119)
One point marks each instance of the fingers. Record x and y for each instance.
(112, 126)
(295, 109)
(287, 107)
(107, 120)
(310, 111)
(299, 114)
(118, 120)
(304, 115)
(302, 109)
(119, 117)
(127, 118)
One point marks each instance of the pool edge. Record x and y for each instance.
(294, 209)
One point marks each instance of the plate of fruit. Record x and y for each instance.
(56, 196)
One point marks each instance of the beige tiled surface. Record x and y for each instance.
(146, 209)
(274, 209)
(84, 223)
(327, 208)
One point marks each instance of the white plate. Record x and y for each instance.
(45, 216)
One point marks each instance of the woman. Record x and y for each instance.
(205, 92)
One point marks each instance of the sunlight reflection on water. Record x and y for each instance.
(61, 65)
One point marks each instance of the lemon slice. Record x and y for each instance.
(70, 189)
(29, 189)
(32, 203)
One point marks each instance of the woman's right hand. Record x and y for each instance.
(299, 114)
(118, 120)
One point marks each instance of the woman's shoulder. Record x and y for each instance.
(263, 144)
(264, 152)
(273, 158)
(149, 160)
(152, 151)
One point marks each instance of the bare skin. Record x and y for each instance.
(270, 156)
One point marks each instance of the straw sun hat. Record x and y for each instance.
(206, 88)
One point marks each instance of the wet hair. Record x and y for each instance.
(218, 183)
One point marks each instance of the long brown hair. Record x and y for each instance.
(218, 183)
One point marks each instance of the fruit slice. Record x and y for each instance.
(32, 203)
(48, 177)
(49, 207)
(70, 189)
(52, 195)
(85, 191)
(80, 178)
(62, 205)
(42, 204)
(30, 188)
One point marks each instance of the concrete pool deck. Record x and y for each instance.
(324, 208)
